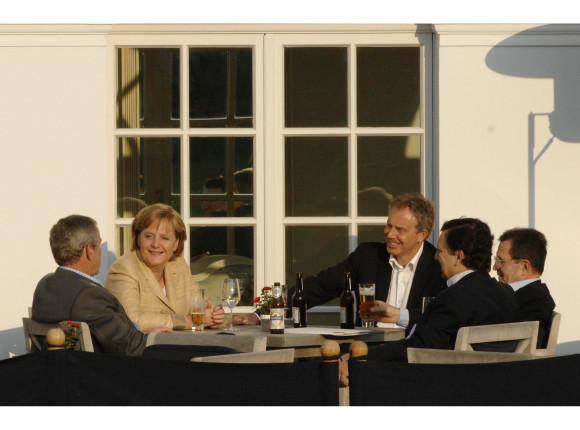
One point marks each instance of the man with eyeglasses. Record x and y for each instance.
(520, 262)
(471, 297)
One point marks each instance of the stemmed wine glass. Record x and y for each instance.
(231, 297)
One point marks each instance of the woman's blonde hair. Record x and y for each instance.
(156, 212)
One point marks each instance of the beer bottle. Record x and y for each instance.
(277, 310)
(347, 303)
(299, 303)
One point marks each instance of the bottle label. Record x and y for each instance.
(277, 318)
(296, 314)
(342, 315)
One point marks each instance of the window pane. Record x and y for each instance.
(316, 176)
(387, 166)
(388, 87)
(221, 240)
(221, 176)
(220, 87)
(316, 87)
(148, 88)
(232, 250)
(148, 171)
(371, 233)
(310, 249)
(125, 240)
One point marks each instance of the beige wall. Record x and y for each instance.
(56, 114)
(489, 83)
(54, 156)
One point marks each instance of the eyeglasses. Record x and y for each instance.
(498, 260)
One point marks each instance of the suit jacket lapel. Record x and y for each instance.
(383, 275)
(153, 285)
(421, 276)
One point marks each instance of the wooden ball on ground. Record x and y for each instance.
(330, 348)
(55, 337)
(358, 348)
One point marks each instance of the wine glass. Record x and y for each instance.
(231, 297)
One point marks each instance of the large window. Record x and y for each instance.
(281, 151)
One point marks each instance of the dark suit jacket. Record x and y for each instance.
(370, 263)
(477, 299)
(65, 295)
(536, 304)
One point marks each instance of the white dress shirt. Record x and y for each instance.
(400, 286)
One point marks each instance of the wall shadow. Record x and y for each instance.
(12, 341)
(543, 61)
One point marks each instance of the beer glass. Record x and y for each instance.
(197, 309)
(367, 301)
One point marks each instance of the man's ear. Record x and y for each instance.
(423, 234)
(459, 256)
(89, 252)
(526, 265)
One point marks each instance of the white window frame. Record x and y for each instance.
(276, 133)
(268, 42)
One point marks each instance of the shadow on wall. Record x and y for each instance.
(550, 60)
(521, 56)
(12, 341)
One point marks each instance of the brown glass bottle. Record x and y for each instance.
(277, 310)
(347, 303)
(299, 303)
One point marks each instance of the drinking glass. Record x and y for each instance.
(367, 301)
(197, 309)
(426, 301)
(231, 297)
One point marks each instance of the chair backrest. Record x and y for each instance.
(526, 332)
(184, 352)
(554, 329)
(34, 329)
(448, 356)
(241, 343)
(273, 356)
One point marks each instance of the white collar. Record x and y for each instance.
(89, 277)
(520, 284)
(456, 278)
(411, 264)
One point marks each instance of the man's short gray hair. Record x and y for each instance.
(69, 237)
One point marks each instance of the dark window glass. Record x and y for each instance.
(221, 176)
(148, 88)
(387, 166)
(388, 87)
(316, 176)
(310, 249)
(316, 87)
(148, 171)
(220, 87)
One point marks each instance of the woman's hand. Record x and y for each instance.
(214, 316)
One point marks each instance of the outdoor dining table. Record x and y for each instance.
(307, 340)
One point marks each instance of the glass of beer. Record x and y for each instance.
(197, 309)
(367, 301)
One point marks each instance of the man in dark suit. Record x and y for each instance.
(403, 267)
(72, 293)
(520, 263)
(472, 297)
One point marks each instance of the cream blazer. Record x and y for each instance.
(135, 286)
